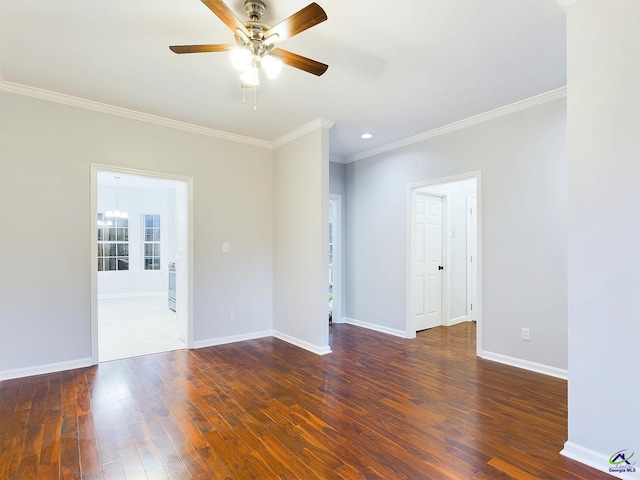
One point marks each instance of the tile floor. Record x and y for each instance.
(131, 326)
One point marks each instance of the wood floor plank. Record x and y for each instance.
(49, 471)
(378, 407)
(511, 470)
(88, 447)
(147, 451)
(107, 445)
(130, 458)
(50, 449)
(70, 456)
(30, 454)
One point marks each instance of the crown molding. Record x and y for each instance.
(309, 127)
(467, 122)
(316, 124)
(126, 113)
(156, 120)
(566, 3)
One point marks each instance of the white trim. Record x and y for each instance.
(525, 364)
(566, 3)
(467, 122)
(472, 251)
(318, 123)
(107, 296)
(157, 120)
(212, 342)
(302, 344)
(126, 113)
(267, 333)
(93, 274)
(457, 320)
(377, 328)
(315, 124)
(594, 459)
(44, 369)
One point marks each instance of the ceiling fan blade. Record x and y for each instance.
(216, 47)
(225, 14)
(309, 16)
(300, 62)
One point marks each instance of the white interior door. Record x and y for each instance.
(427, 257)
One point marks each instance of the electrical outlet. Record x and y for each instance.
(232, 315)
(526, 334)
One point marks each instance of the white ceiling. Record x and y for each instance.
(396, 69)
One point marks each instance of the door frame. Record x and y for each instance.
(338, 316)
(188, 287)
(472, 255)
(410, 331)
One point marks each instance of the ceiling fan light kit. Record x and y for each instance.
(251, 76)
(241, 58)
(272, 65)
(256, 42)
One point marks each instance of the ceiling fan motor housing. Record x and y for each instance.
(261, 40)
(255, 9)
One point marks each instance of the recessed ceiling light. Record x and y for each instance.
(366, 136)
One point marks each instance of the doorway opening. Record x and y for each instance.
(443, 261)
(335, 259)
(140, 274)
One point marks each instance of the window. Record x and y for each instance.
(151, 243)
(113, 243)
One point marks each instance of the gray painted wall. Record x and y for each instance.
(604, 232)
(301, 241)
(522, 159)
(47, 151)
(337, 178)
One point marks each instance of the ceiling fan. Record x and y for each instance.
(256, 43)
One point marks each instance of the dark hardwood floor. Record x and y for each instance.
(378, 407)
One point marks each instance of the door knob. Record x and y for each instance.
(440, 267)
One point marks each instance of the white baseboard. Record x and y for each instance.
(457, 320)
(302, 344)
(377, 328)
(43, 369)
(525, 364)
(594, 459)
(132, 295)
(211, 342)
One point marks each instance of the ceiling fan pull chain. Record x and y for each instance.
(255, 99)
